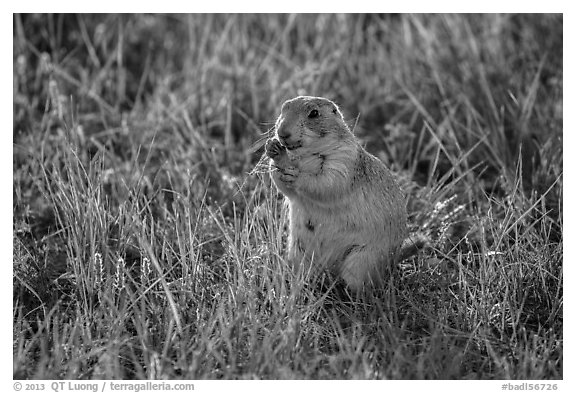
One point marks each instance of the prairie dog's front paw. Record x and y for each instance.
(274, 148)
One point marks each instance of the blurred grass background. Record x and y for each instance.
(144, 248)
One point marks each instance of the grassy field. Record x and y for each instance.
(148, 241)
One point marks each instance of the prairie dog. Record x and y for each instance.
(347, 213)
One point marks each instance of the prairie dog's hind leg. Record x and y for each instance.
(359, 267)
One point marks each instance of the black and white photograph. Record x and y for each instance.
(286, 196)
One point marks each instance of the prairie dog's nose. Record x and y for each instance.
(282, 130)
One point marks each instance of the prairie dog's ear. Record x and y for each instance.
(336, 110)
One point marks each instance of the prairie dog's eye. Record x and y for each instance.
(313, 113)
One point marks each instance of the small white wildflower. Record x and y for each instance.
(98, 270)
(120, 277)
(145, 269)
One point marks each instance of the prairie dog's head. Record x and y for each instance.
(311, 124)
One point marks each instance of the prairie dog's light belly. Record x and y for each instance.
(325, 233)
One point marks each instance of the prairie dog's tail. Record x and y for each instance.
(412, 245)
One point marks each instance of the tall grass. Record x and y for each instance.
(149, 242)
